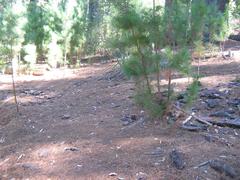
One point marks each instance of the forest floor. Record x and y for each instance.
(71, 126)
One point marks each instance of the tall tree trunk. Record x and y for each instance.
(168, 3)
(222, 4)
(169, 84)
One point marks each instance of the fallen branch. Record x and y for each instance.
(134, 124)
(229, 123)
(195, 117)
(193, 127)
(202, 164)
(223, 168)
(188, 119)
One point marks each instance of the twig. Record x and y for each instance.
(202, 164)
(193, 127)
(140, 121)
(195, 117)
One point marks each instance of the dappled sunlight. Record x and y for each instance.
(139, 142)
(119, 89)
(59, 74)
(207, 81)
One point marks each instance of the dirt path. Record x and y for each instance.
(70, 128)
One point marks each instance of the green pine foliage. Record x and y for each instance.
(9, 34)
(157, 42)
(192, 92)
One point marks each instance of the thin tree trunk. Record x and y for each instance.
(198, 68)
(13, 72)
(13, 82)
(169, 83)
(143, 64)
(158, 81)
(65, 57)
(155, 50)
(14, 93)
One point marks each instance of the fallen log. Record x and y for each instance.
(223, 168)
(226, 123)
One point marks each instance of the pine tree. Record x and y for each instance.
(36, 33)
(158, 40)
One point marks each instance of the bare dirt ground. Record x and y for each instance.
(70, 127)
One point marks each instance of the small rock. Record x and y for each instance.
(222, 167)
(112, 174)
(2, 140)
(29, 166)
(127, 120)
(212, 103)
(66, 116)
(159, 162)
(157, 152)
(141, 176)
(236, 134)
(120, 178)
(35, 92)
(43, 153)
(177, 159)
(230, 111)
(182, 98)
(71, 149)
(211, 94)
(125, 123)
(133, 117)
(92, 133)
(115, 105)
